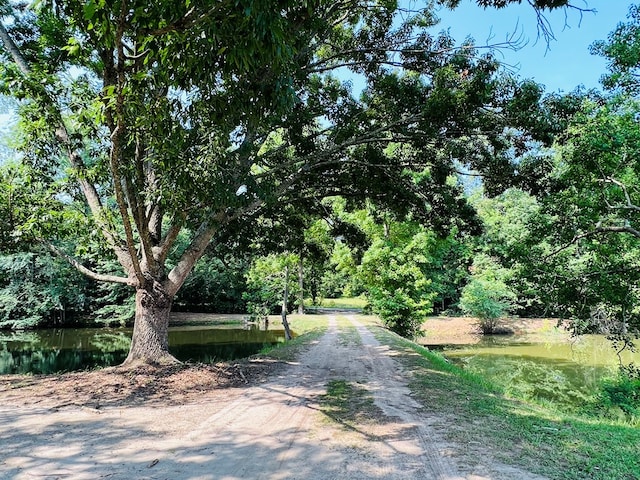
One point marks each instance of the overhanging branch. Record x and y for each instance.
(86, 271)
(14, 51)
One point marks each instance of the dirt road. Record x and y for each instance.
(273, 430)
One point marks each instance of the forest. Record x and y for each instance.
(160, 164)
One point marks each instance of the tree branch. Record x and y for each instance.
(192, 253)
(84, 270)
(316, 158)
(630, 205)
(599, 229)
(62, 134)
(116, 148)
(167, 242)
(14, 51)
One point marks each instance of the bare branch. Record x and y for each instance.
(14, 51)
(629, 205)
(545, 30)
(85, 271)
(598, 229)
(622, 229)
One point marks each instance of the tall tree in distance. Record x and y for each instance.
(188, 118)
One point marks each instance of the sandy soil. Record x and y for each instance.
(256, 420)
(464, 330)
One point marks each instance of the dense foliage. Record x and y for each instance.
(341, 148)
(148, 123)
(487, 297)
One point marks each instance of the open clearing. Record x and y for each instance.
(207, 423)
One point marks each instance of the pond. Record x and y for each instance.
(552, 368)
(69, 349)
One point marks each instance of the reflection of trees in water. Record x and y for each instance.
(19, 336)
(52, 361)
(211, 345)
(16, 349)
(6, 361)
(58, 350)
(111, 341)
(600, 350)
(219, 352)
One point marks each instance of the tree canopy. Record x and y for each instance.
(151, 121)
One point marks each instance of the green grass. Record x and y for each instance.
(539, 439)
(348, 404)
(343, 302)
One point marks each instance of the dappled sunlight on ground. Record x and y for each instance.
(274, 427)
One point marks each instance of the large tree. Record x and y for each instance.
(186, 118)
(591, 214)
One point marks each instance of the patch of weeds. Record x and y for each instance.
(349, 404)
(619, 397)
(267, 348)
(349, 336)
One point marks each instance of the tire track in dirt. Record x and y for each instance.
(435, 457)
(392, 395)
(290, 441)
(275, 423)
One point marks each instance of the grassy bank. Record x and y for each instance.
(306, 328)
(476, 414)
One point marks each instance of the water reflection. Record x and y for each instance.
(57, 350)
(561, 370)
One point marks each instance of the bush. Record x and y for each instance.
(488, 301)
(399, 288)
(399, 312)
(487, 297)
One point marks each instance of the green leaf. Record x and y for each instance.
(90, 9)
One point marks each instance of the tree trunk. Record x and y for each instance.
(301, 286)
(150, 340)
(285, 305)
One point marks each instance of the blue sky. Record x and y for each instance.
(567, 63)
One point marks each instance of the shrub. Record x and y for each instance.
(487, 297)
(621, 396)
(398, 286)
(400, 312)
